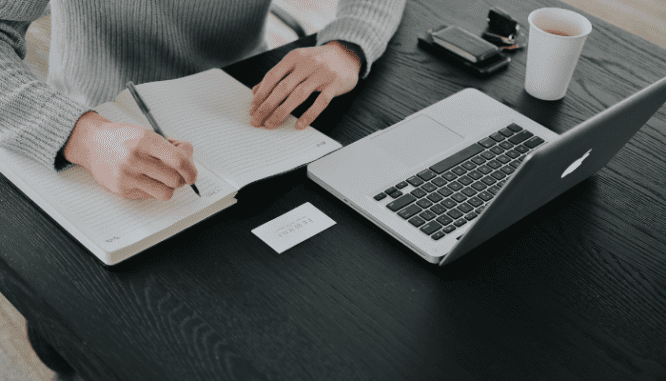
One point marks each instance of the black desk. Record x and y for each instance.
(577, 290)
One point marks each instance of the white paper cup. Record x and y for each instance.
(552, 58)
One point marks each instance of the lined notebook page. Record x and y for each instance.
(111, 222)
(211, 111)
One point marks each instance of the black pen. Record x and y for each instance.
(146, 111)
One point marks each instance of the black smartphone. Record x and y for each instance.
(483, 68)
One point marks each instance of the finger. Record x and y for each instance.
(317, 107)
(185, 146)
(279, 94)
(153, 188)
(273, 77)
(138, 194)
(254, 89)
(298, 96)
(155, 169)
(171, 156)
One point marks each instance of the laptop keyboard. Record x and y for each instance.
(448, 194)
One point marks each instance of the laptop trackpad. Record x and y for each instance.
(416, 140)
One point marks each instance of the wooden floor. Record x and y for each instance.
(645, 18)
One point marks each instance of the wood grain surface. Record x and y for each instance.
(576, 290)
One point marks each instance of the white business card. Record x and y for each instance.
(293, 227)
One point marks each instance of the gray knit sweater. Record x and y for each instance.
(99, 45)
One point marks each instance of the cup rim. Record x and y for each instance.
(587, 25)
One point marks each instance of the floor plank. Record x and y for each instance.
(17, 359)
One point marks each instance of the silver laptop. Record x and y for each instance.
(452, 175)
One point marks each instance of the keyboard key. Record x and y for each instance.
(426, 174)
(390, 190)
(494, 189)
(409, 211)
(448, 229)
(459, 197)
(415, 181)
(454, 213)
(465, 180)
(460, 222)
(514, 127)
(506, 145)
(521, 149)
(475, 202)
(450, 176)
(485, 196)
(396, 194)
(515, 164)
(521, 137)
(497, 150)
(469, 192)
(485, 169)
(439, 181)
(487, 142)
(444, 220)
(438, 209)
(435, 197)
(494, 164)
(417, 221)
(429, 187)
(475, 175)
(478, 159)
(506, 132)
(508, 170)
(471, 216)
(401, 184)
(465, 208)
(535, 141)
(418, 192)
(459, 171)
(455, 186)
(431, 227)
(512, 154)
(503, 159)
(424, 203)
(456, 158)
(380, 196)
(488, 155)
(479, 210)
(497, 137)
(489, 180)
(479, 186)
(468, 165)
(401, 202)
(448, 203)
(498, 175)
(444, 191)
(437, 235)
(427, 215)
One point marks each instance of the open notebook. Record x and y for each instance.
(208, 109)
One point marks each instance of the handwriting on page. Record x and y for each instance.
(293, 227)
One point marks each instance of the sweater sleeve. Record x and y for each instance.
(370, 24)
(35, 120)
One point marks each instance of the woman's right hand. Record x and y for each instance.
(130, 160)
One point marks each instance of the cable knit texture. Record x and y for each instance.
(99, 45)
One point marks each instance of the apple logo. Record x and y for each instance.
(576, 164)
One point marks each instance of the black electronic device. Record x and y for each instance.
(464, 50)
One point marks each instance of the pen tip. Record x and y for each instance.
(196, 190)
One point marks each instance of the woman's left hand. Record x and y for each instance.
(330, 69)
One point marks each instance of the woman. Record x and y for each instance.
(97, 46)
